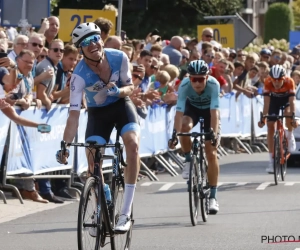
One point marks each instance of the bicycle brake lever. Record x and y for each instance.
(63, 149)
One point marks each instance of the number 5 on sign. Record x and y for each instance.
(71, 18)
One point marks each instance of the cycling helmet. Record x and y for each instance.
(83, 31)
(198, 67)
(277, 71)
(265, 52)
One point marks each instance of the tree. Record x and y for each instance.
(54, 4)
(296, 12)
(215, 7)
(279, 22)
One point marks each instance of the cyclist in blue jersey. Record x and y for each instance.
(105, 77)
(198, 96)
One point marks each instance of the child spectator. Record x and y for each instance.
(296, 77)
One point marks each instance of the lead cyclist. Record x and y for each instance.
(105, 77)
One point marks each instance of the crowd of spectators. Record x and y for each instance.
(38, 67)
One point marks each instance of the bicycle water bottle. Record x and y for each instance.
(107, 193)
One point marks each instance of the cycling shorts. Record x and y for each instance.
(275, 104)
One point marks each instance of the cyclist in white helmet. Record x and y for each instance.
(105, 77)
(279, 90)
(198, 96)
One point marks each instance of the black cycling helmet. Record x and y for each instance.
(198, 67)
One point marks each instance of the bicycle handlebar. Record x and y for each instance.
(95, 145)
(211, 134)
(275, 116)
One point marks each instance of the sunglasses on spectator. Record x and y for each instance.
(184, 57)
(197, 79)
(210, 56)
(42, 56)
(91, 39)
(233, 56)
(137, 76)
(57, 49)
(36, 44)
(153, 67)
(277, 57)
(209, 36)
(240, 55)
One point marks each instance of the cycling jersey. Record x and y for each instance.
(287, 89)
(209, 99)
(85, 79)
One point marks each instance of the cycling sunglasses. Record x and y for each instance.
(91, 39)
(277, 80)
(197, 79)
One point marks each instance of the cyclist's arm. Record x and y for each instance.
(266, 94)
(214, 107)
(77, 87)
(292, 98)
(266, 104)
(182, 95)
(126, 78)
(12, 115)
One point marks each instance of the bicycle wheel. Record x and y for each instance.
(194, 191)
(276, 162)
(119, 241)
(284, 165)
(88, 207)
(204, 190)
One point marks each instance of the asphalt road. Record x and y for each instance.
(252, 210)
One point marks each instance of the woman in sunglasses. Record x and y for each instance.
(198, 96)
(104, 76)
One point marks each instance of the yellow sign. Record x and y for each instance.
(223, 34)
(71, 18)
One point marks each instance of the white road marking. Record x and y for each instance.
(263, 186)
(167, 186)
(146, 184)
(289, 184)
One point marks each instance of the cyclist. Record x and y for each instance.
(105, 77)
(198, 96)
(279, 90)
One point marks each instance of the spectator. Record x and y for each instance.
(217, 71)
(20, 43)
(165, 60)
(239, 67)
(45, 88)
(61, 91)
(207, 36)
(113, 42)
(173, 50)
(218, 57)
(241, 55)
(296, 77)
(105, 26)
(275, 57)
(156, 51)
(195, 55)
(232, 55)
(50, 28)
(128, 50)
(208, 56)
(185, 57)
(43, 55)
(265, 55)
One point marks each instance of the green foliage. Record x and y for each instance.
(170, 17)
(296, 12)
(54, 4)
(257, 46)
(279, 21)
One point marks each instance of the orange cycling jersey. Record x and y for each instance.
(287, 89)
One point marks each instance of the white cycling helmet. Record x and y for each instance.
(277, 71)
(83, 31)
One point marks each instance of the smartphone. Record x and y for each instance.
(15, 96)
(44, 128)
(2, 54)
(42, 20)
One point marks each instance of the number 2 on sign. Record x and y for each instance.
(78, 20)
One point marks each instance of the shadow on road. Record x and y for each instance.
(55, 230)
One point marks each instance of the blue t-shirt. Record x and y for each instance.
(209, 99)
(85, 79)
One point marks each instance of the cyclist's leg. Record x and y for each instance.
(289, 132)
(128, 125)
(99, 127)
(189, 119)
(213, 163)
(273, 110)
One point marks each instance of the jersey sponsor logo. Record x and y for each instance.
(72, 83)
(73, 105)
(98, 92)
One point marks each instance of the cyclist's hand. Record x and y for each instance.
(112, 89)
(173, 143)
(62, 159)
(261, 124)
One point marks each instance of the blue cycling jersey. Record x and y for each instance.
(209, 99)
(85, 79)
